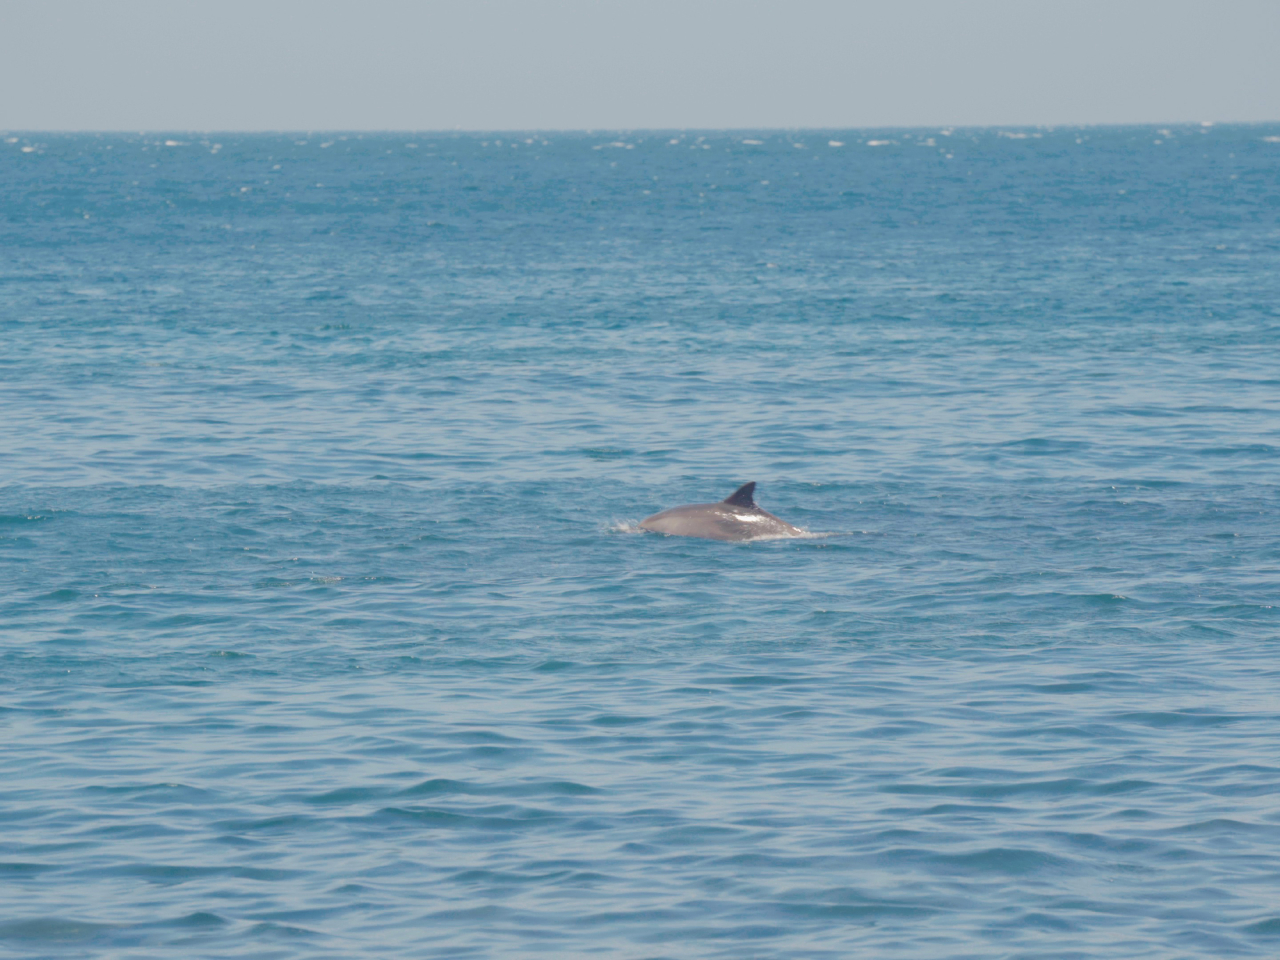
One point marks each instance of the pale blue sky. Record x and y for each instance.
(573, 64)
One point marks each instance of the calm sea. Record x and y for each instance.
(325, 631)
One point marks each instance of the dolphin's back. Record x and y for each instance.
(735, 518)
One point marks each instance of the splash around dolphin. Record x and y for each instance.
(736, 517)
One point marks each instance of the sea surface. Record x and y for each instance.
(326, 629)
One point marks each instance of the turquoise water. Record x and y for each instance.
(326, 631)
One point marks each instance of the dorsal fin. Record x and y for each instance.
(742, 496)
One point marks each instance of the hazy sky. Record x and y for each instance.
(575, 64)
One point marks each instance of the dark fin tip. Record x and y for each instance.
(742, 496)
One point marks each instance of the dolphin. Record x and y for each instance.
(736, 517)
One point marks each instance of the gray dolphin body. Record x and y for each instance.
(736, 517)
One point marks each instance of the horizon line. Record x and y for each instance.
(590, 131)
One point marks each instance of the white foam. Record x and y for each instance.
(1271, 139)
(835, 143)
(798, 535)
(754, 143)
(879, 143)
(632, 527)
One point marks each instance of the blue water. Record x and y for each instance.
(326, 631)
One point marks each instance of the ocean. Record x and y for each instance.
(326, 629)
